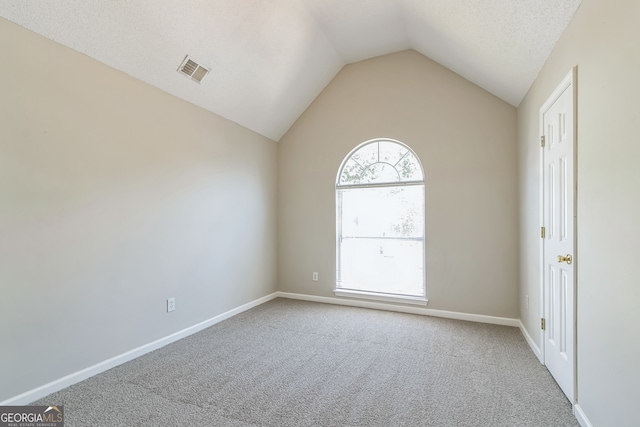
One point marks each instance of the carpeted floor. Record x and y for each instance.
(296, 363)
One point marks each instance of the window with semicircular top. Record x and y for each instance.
(381, 223)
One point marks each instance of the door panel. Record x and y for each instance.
(558, 220)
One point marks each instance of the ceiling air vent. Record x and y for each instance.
(192, 69)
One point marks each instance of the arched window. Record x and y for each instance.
(380, 223)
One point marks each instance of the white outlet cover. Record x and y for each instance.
(171, 304)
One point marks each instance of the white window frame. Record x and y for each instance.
(372, 295)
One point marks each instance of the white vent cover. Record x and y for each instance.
(192, 69)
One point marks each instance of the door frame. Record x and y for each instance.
(570, 79)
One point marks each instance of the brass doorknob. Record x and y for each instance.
(566, 259)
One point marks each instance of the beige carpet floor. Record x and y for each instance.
(296, 363)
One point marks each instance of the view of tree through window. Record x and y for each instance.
(380, 221)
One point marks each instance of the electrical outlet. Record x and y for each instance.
(315, 276)
(526, 299)
(171, 304)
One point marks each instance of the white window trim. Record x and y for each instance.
(379, 296)
(406, 299)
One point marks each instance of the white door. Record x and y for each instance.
(559, 239)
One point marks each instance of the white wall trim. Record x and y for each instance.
(581, 416)
(402, 299)
(404, 309)
(81, 375)
(531, 342)
(66, 381)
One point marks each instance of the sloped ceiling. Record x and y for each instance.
(271, 58)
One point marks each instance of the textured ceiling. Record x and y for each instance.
(271, 58)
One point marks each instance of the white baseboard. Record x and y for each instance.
(76, 377)
(581, 416)
(66, 381)
(531, 342)
(404, 309)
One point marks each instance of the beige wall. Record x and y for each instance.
(602, 40)
(466, 140)
(113, 197)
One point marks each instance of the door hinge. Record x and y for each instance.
(542, 232)
(542, 141)
(542, 324)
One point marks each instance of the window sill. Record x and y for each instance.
(404, 299)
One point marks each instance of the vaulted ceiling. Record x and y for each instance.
(269, 59)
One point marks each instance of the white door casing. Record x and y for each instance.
(558, 248)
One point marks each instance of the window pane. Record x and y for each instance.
(380, 173)
(409, 168)
(383, 212)
(381, 246)
(391, 152)
(382, 265)
(351, 173)
(367, 155)
(380, 162)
